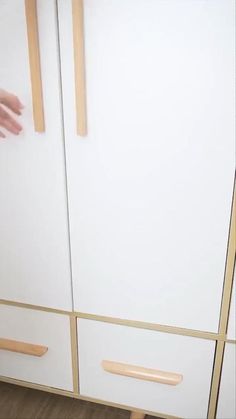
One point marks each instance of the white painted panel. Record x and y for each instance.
(53, 369)
(184, 355)
(150, 187)
(227, 403)
(34, 250)
(231, 334)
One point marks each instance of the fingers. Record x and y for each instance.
(11, 126)
(6, 120)
(2, 135)
(11, 101)
(9, 123)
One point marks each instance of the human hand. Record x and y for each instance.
(11, 102)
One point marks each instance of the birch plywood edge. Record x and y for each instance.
(22, 347)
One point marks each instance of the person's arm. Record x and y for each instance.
(10, 101)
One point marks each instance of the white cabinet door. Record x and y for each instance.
(34, 250)
(227, 404)
(150, 187)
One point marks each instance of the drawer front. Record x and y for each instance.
(190, 358)
(227, 403)
(232, 316)
(48, 330)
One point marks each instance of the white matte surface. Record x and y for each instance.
(34, 249)
(53, 369)
(227, 403)
(150, 187)
(172, 353)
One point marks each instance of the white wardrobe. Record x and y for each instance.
(117, 223)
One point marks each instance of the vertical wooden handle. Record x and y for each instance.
(79, 66)
(34, 61)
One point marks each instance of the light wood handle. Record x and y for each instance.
(137, 415)
(142, 373)
(22, 347)
(34, 61)
(79, 66)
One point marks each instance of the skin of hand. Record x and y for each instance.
(9, 101)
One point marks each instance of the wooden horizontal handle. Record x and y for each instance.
(79, 66)
(142, 373)
(22, 347)
(34, 61)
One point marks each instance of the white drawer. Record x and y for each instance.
(227, 402)
(51, 330)
(190, 357)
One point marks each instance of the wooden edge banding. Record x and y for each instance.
(122, 322)
(35, 307)
(79, 66)
(142, 373)
(74, 354)
(229, 270)
(137, 415)
(22, 347)
(224, 315)
(34, 60)
(216, 380)
(152, 326)
(232, 341)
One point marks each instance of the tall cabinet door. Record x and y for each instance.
(34, 249)
(150, 186)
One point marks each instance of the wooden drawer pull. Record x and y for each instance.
(79, 66)
(34, 60)
(142, 373)
(22, 347)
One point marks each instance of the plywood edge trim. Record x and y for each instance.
(122, 322)
(215, 384)
(229, 269)
(35, 307)
(152, 326)
(232, 341)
